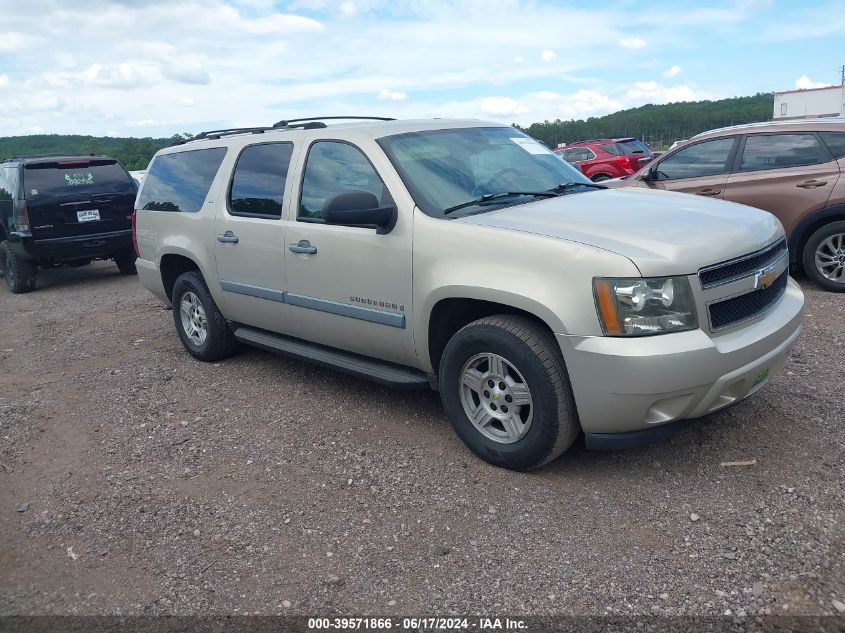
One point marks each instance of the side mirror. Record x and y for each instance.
(650, 175)
(359, 208)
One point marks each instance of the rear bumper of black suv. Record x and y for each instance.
(64, 249)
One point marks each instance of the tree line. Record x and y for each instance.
(658, 125)
(134, 153)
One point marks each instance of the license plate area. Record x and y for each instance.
(91, 215)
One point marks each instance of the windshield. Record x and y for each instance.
(446, 168)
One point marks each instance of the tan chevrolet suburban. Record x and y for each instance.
(465, 256)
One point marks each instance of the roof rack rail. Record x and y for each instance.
(307, 123)
(224, 132)
(285, 123)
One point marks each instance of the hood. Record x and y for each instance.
(663, 233)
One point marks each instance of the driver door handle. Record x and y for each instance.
(227, 238)
(709, 192)
(303, 246)
(811, 184)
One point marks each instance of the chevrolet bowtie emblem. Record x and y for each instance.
(496, 396)
(765, 278)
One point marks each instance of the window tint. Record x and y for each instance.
(776, 151)
(702, 159)
(180, 181)
(612, 148)
(76, 177)
(333, 167)
(835, 142)
(258, 185)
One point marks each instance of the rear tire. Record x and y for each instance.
(125, 261)
(199, 323)
(19, 273)
(824, 257)
(600, 177)
(492, 419)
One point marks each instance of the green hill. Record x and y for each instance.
(658, 125)
(134, 153)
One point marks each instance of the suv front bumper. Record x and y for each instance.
(624, 385)
(62, 249)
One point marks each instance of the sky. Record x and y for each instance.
(157, 67)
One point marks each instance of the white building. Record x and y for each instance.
(810, 103)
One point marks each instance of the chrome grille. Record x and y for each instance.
(748, 305)
(741, 266)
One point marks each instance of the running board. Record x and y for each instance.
(382, 372)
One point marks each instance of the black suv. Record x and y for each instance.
(63, 210)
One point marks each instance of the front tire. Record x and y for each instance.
(507, 394)
(125, 261)
(824, 257)
(199, 323)
(600, 178)
(18, 273)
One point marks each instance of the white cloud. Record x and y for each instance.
(392, 95)
(804, 83)
(518, 59)
(35, 129)
(4, 80)
(653, 92)
(674, 71)
(348, 9)
(11, 42)
(633, 43)
(548, 55)
(500, 106)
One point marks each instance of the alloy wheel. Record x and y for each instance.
(496, 398)
(193, 317)
(830, 257)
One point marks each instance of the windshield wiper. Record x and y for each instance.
(569, 186)
(489, 198)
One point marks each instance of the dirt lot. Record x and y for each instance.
(134, 479)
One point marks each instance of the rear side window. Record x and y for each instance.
(835, 142)
(75, 177)
(180, 181)
(258, 185)
(579, 154)
(707, 158)
(777, 151)
(8, 183)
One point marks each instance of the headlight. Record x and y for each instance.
(639, 307)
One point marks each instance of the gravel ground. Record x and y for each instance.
(136, 480)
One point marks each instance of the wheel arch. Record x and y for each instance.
(449, 312)
(809, 225)
(171, 266)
